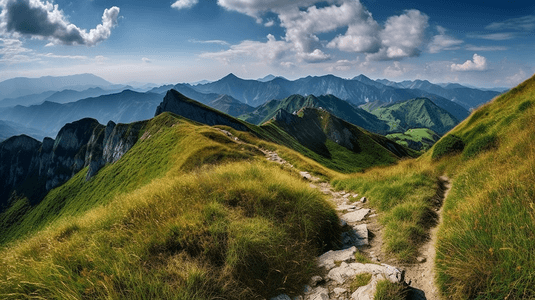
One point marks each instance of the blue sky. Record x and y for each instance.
(481, 43)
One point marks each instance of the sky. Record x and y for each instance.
(471, 42)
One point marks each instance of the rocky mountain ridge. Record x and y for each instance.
(26, 162)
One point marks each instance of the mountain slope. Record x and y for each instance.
(416, 113)
(338, 107)
(465, 96)
(335, 143)
(22, 86)
(416, 139)
(486, 234)
(127, 106)
(177, 218)
(230, 106)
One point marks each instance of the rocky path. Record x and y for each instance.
(362, 237)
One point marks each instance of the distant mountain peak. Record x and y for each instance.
(230, 76)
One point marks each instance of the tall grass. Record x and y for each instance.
(238, 231)
(487, 241)
(404, 195)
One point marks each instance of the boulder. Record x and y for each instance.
(356, 216)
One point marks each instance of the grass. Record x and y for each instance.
(403, 195)
(240, 230)
(449, 145)
(420, 139)
(387, 290)
(485, 246)
(359, 280)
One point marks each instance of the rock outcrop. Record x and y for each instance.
(30, 168)
(179, 104)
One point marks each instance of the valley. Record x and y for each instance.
(186, 201)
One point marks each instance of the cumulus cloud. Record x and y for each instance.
(271, 51)
(12, 51)
(442, 42)
(402, 36)
(182, 4)
(395, 70)
(255, 8)
(44, 20)
(526, 23)
(478, 63)
(303, 22)
(146, 60)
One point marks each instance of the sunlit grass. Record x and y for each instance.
(403, 194)
(243, 230)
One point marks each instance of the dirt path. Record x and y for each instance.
(422, 275)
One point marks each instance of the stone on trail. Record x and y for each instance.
(345, 207)
(327, 259)
(346, 271)
(319, 293)
(356, 216)
(367, 292)
(363, 200)
(339, 291)
(315, 280)
(305, 175)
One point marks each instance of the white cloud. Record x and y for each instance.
(181, 4)
(486, 48)
(12, 52)
(44, 20)
(255, 8)
(478, 63)
(269, 23)
(146, 60)
(315, 56)
(526, 23)
(52, 55)
(219, 42)
(517, 78)
(402, 36)
(100, 59)
(269, 52)
(442, 42)
(495, 36)
(395, 70)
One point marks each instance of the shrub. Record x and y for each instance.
(483, 143)
(387, 290)
(525, 105)
(449, 144)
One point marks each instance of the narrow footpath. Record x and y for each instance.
(363, 234)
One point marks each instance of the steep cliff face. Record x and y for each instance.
(179, 104)
(29, 168)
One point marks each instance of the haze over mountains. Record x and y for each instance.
(32, 102)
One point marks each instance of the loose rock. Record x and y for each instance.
(356, 216)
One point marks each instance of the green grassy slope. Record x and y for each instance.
(416, 113)
(187, 213)
(486, 241)
(313, 136)
(340, 108)
(416, 139)
(486, 244)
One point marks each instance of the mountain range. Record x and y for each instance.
(124, 107)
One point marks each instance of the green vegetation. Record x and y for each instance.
(485, 246)
(359, 280)
(448, 145)
(420, 139)
(483, 143)
(340, 108)
(416, 113)
(404, 196)
(387, 290)
(185, 214)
